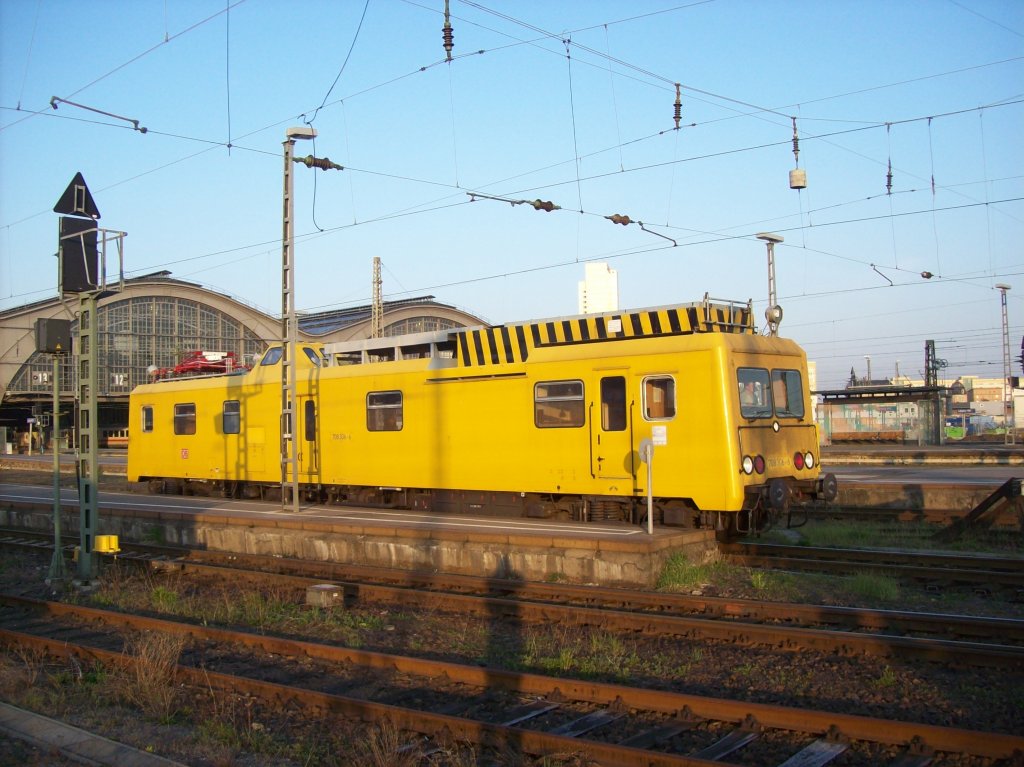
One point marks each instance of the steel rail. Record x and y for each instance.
(782, 637)
(854, 727)
(916, 558)
(432, 725)
(627, 599)
(977, 578)
(720, 622)
(779, 637)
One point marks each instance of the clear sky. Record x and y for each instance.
(567, 101)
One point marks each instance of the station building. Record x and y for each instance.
(152, 324)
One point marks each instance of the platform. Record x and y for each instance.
(610, 554)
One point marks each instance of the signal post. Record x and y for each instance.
(82, 268)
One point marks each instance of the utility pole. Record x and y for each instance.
(57, 563)
(774, 312)
(54, 336)
(1009, 421)
(289, 320)
(82, 269)
(377, 309)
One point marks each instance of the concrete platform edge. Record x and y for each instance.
(74, 743)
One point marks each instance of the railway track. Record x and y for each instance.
(982, 573)
(495, 709)
(949, 639)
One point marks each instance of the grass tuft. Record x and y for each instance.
(678, 574)
(874, 586)
(147, 682)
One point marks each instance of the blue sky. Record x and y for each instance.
(564, 101)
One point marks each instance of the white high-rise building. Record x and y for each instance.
(599, 291)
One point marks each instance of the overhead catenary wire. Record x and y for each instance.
(575, 159)
(227, 68)
(118, 68)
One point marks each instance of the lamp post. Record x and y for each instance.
(289, 331)
(289, 322)
(1009, 422)
(774, 312)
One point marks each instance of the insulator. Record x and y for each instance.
(546, 205)
(679, 107)
(323, 163)
(618, 218)
(796, 144)
(446, 32)
(449, 40)
(888, 179)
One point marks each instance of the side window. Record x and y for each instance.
(558, 404)
(313, 357)
(185, 418)
(310, 420)
(231, 418)
(384, 411)
(147, 418)
(613, 403)
(659, 398)
(789, 393)
(754, 392)
(273, 356)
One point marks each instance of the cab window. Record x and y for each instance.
(147, 418)
(185, 418)
(273, 356)
(558, 404)
(788, 393)
(659, 398)
(755, 393)
(384, 411)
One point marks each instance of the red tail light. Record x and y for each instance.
(798, 460)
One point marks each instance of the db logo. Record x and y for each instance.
(184, 453)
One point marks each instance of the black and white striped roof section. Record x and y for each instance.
(509, 344)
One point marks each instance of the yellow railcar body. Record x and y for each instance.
(545, 411)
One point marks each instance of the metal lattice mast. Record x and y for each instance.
(88, 434)
(377, 310)
(289, 459)
(289, 320)
(1008, 419)
(57, 571)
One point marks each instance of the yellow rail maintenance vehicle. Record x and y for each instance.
(539, 419)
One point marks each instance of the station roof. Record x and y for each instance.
(322, 323)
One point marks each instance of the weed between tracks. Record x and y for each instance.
(908, 536)
(208, 727)
(721, 578)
